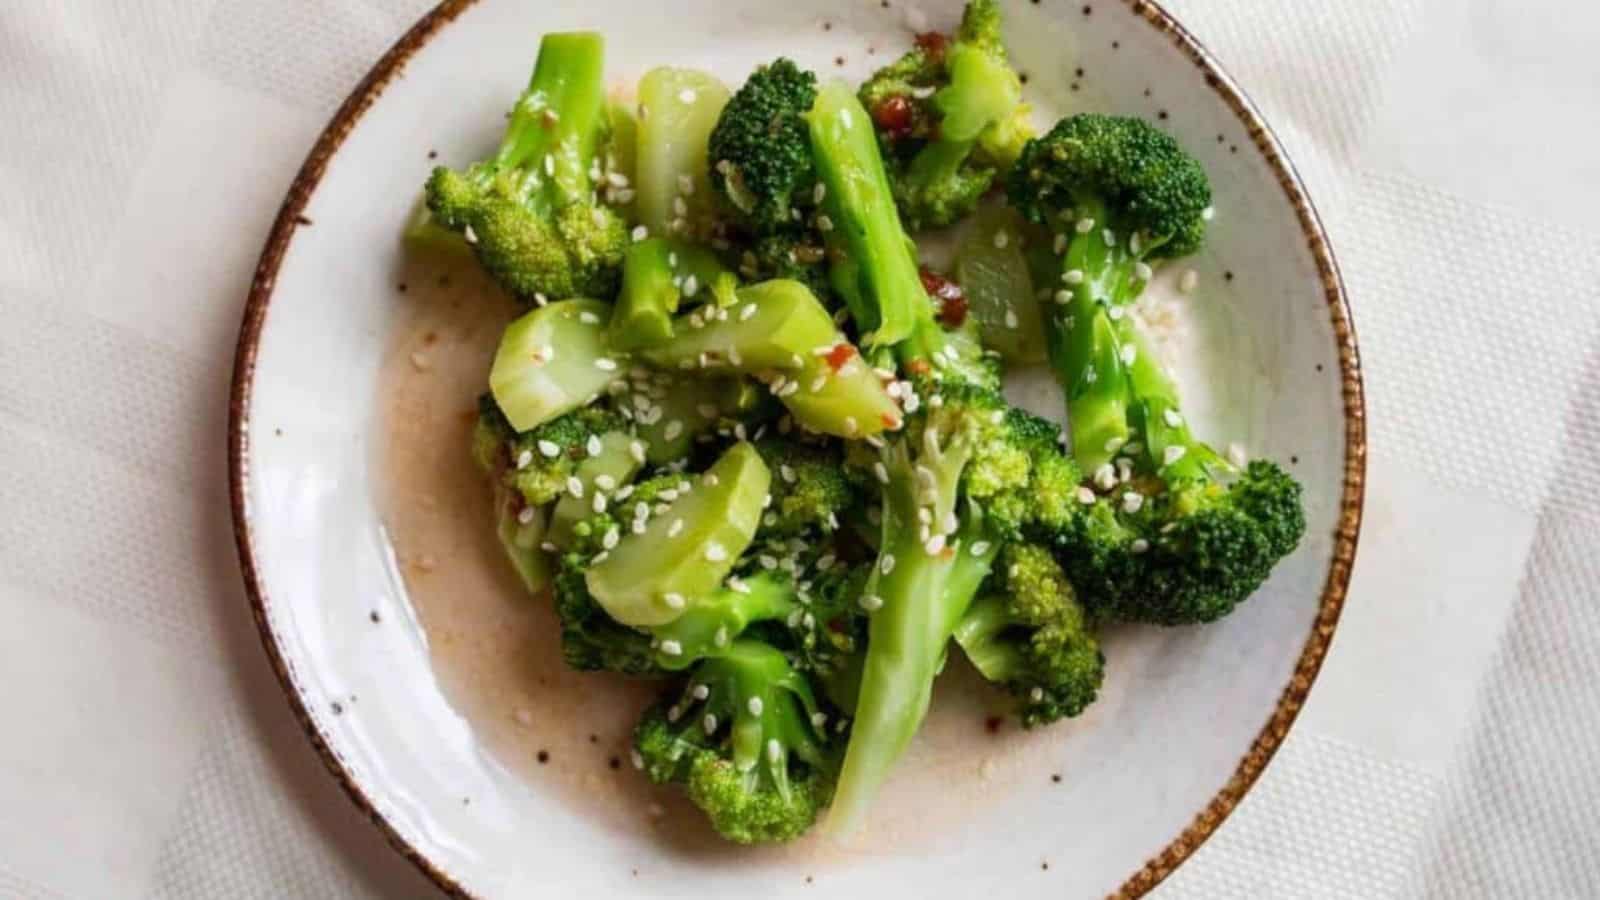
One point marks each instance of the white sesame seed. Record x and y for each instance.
(1072, 276)
(686, 96)
(755, 706)
(934, 545)
(691, 286)
(738, 586)
(715, 552)
(549, 547)
(1001, 239)
(541, 300)
(1105, 477)
(1139, 545)
(767, 561)
(721, 638)
(881, 471)
(636, 450)
(1085, 496)
(949, 524)
(979, 548)
(1036, 695)
(575, 486)
(1173, 454)
(549, 164)
(525, 458)
(1208, 213)
(680, 207)
(850, 426)
(818, 720)
(1172, 418)
(605, 364)
(734, 358)
(1011, 318)
(550, 449)
(675, 529)
(1109, 236)
(826, 561)
(1084, 226)
(526, 514)
(686, 185)
(1129, 352)
(886, 563)
(1063, 297)
(1116, 313)
(637, 759)
(673, 429)
(1132, 502)
(1188, 281)
(871, 602)
(774, 749)
(640, 233)
(599, 558)
(709, 723)
(599, 504)
(700, 691)
(638, 526)
(1142, 271)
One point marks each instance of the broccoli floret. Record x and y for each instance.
(590, 639)
(760, 150)
(520, 461)
(950, 117)
(710, 623)
(812, 494)
(740, 738)
(797, 253)
(530, 212)
(1032, 637)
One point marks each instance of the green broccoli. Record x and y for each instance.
(590, 639)
(760, 150)
(1118, 193)
(812, 492)
(743, 740)
(950, 116)
(529, 211)
(538, 463)
(1034, 638)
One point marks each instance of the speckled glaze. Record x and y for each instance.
(317, 561)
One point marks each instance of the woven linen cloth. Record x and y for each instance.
(1451, 747)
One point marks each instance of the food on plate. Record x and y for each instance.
(750, 447)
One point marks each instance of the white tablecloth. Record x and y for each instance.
(1451, 747)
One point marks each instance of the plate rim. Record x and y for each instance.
(1345, 537)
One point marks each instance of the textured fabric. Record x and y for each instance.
(1451, 747)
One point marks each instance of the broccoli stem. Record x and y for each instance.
(979, 633)
(561, 116)
(678, 108)
(877, 271)
(656, 276)
(711, 622)
(918, 603)
(521, 541)
(1083, 339)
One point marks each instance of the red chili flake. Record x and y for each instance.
(889, 422)
(839, 355)
(933, 43)
(918, 367)
(953, 312)
(893, 116)
(952, 301)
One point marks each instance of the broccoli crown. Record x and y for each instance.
(536, 474)
(812, 494)
(1031, 484)
(796, 253)
(949, 115)
(1034, 638)
(832, 628)
(1183, 552)
(590, 639)
(530, 211)
(760, 149)
(741, 740)
(1145, 180)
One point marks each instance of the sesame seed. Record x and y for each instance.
(599, 558)
(819, 383)
(738, 586)
(1237, 455)
(1116, 313)
(549, 164)
(640, 233)
(949, 524)
(675, 529)
(549, 547)
(1139, 545)
(1173, 454)
(774, 749)
(1132, 502)
(1105, 477)
(882, 471)
(1188, 281)
(638, 526)
(934, 545)
(686, 185)
(526, 514)
(1085, 496)
(871, 602)
(886, 563)
(1084, 226)
(673, 429)
(715, 552)
(1114, 443)
(1001, 239)
(575, 486)
(1036, 695)
(709, 723)
(1060, 244)
(826, 561)
(1128, 353)
(680, 207)
(636, 758)
(541, 300)
(734, 358)
(818, 720)
(1142, 271)
(1208, 213)
(1011, 318)
(686, 96)
(550, 449)
(1063, 297)
(636, 450)
(588, 318)
(979, 548)
(755, 706)
(691, 286)
(605, 364)
(721, 638)
(525, 458)
(1171, 417)
(850, 426)
(1109, 236)
(700, 692)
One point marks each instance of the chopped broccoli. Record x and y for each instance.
(760, 151)
(740, 738)
(521, 460)
(529, 211)
(811, 494)
(1119, 193)
(950, 117)
(1033, 638)
(590, 639)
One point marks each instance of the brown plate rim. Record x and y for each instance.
(1346, 534)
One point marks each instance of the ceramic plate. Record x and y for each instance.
(432, 688)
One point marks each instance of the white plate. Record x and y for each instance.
(1189, 716)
